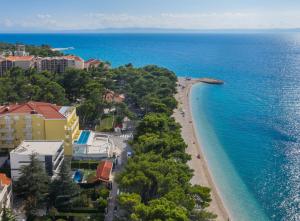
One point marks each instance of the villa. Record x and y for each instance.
(91, 145)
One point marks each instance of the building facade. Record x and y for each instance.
(5, 65)
(49, 153)
(38, 121)
(24, 62)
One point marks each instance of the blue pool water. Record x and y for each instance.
(249, 127)
(78, 176)
(84, 136)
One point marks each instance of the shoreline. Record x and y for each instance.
(202, 174)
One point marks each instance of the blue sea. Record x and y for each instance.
(249, 127)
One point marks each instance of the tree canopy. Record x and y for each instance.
(32, 185)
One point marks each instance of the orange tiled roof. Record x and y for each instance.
(4, 180)
(93, 62)
(73, 57)
(20, 58)
(49, 111)
(104, 170)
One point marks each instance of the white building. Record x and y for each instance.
(91, 145)
(50, 153)
(21, 51)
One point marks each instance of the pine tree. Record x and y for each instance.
(33, 185)
(63, 189)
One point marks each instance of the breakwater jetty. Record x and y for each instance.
(205, 80)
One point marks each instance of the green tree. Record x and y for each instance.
(159, 209)
(63, 189)
(7, 214)
(32, 185)
(151, 176)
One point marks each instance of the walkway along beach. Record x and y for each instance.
(202, 176)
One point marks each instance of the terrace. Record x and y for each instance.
(91, 145)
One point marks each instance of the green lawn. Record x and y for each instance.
(106, 124)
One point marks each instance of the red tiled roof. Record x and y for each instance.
(20, 58)
(4, 180)
(103, 170)
(49, 111)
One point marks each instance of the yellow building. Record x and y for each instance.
(38, 121)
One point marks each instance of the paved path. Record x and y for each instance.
(120, 141)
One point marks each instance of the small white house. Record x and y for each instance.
(50, 153)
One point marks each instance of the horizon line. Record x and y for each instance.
(142, 30)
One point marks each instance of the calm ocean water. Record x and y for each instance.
(249, 127)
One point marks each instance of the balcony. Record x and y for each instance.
(7, 138)
(7, 129)
(72, 127)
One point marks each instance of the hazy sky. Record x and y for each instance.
(35, 15)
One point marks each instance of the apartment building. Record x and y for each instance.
(24, 62)
(38, 121)
(49, 153)
(59, 64)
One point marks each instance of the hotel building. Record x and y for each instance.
(59, 64)
(52, 64)
(38, 121)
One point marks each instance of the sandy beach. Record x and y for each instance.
(201, 171)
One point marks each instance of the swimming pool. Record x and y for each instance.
(78, 175)
(84, 136)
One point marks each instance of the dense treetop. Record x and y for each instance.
(146, 90)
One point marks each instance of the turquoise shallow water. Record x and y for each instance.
(229, 183)
(249, 127)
